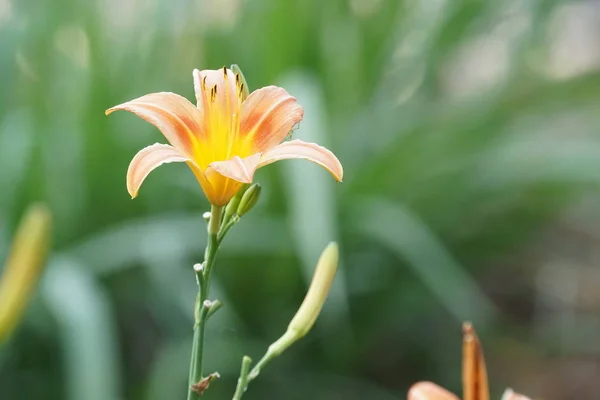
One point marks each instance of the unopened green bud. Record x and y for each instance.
(317, 292)
(249, 199)
(309, 310)
(240, 81)
(234, 203)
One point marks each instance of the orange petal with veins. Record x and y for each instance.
(177, 118)
(268, 115)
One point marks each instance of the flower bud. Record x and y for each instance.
(475, 381)
(249, 199)
(309, 309)
(317, 292)
(23, 266)
(233, 204)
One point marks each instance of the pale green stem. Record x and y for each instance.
(243, 379)
(274, 351)
(226, 227)
(203, 307)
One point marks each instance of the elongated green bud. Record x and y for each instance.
(309, 310)
(249, 199)
(23, 267)
(240, 80)
(317, 292)
(233, 204)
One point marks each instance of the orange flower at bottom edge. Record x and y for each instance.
(226, 137)
(475, 383)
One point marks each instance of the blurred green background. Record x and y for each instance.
(469, 132)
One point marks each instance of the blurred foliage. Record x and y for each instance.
(469, 133)
(23, 267)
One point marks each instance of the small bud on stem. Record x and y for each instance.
(249, 199)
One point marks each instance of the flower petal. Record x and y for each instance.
(429, 391)
(510, 395)
(307, 151)
(219, 94)
(268, 115)
(239, 169)
(227, 92)
(146, 160)
(173, 115)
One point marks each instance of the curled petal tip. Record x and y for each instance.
(132, 192)
(295, 149)
(339, 177)
(148, 159)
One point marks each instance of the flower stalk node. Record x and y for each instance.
(199, 267)
(200, 387)
(207, 304)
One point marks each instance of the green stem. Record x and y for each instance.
(226, 227)
(202, 308)
(243, 379)
(274, 351)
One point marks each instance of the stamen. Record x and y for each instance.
(204, 83)
(241, 90)
(213, 93)
(237, 80)
(225, 71)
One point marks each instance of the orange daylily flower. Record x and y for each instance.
(474, 376)
(226, 137)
